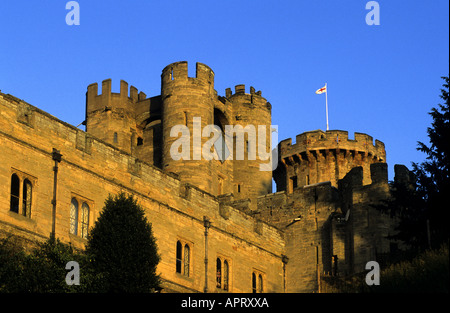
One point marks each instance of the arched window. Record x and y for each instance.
(179, 257)
(225, 275)
(218, 273)
(74, 216)
(221, 148)
(183, 258)
(84, 220)
(187, 255)
(260, 283)
(26, 198)
(253, 282)
(15, 193)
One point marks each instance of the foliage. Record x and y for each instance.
(121, 248)
(428, 272)
(419, 202)
(41, 270)
(433, 179)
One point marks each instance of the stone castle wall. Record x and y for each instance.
(91, 169)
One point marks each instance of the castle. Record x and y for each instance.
(219, 227)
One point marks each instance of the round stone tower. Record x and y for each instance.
(187, 103)
(319, 156)
(253, 172)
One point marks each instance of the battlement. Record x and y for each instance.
(241, 97)
(109, 99)
(178, 71)
(332, 139)
(240, 90)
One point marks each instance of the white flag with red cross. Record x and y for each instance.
(321, 90)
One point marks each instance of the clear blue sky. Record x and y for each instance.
(382, 79)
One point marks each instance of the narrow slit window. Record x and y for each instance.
(218, 273)
(27, 193)
(260, 283)
(116, 140)
(84, 220)
(253, 282)
(74, 216)
(15, 193)
(187, 252)
(225, 275)
(294, 182)
(179, 260)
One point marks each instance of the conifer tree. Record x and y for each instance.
(121, 249)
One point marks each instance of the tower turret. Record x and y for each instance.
(253, 174)
(185, 100)
(111, 116)
(319, 156)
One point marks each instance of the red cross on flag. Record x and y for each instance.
(321, 90)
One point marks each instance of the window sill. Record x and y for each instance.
(19, 217)
(184, 277)
(77, 240)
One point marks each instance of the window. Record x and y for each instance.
(140, 141)
(221, 145)
(260, 283)
(116, 140)
(79, 217)
(15, 193)
(179, 259)
(292, 183)
(257, 282)
(186, 260)
(21, 193)
(27, 190)
(222, 273)
(84, 220)
(225, 275)
(74, 217)
(218, 273)
(183, 258)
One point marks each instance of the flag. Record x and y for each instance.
(321, 90)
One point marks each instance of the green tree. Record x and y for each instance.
(42, 270)
(121, 248)
(432, 175)
(12, 258)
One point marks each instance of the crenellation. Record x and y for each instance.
(315, 149)
(239, 89)
(142, 96)
(134, 94)
(106, 87)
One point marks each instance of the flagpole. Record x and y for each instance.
(326, 101)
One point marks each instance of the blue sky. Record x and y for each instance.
(382, 79)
